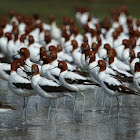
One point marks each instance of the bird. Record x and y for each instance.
(74, 82)
(136, 77)
(20, 86)
(133, 60)
(119, 49)
(134, 46)
(11, 47)
(76, 54)
(46, 88)
(62, 55)
(55, 32)
(84, 47)
(5, 70)
(49, 70)
(24, 52)
(92, 66)
(126, 51)
(23, 41)
(113, 86)
(120, 66)
(3, 43)
(48, 40)
(67, 43)
(21, 71)
(93, 69)
(34, 49)
(54, 61)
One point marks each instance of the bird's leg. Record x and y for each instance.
(121, 103)
(110, 106)
(26, 107)
(95, 92)
(7, 91)
(64, 101)
(49, 110)
(103, 100)
(23, 113)
(74, 104)
(118, 109)
(74, 98)
(121, 100)
(56, 105)
(25, 102)
(96, 96)
(83, 105)
(38, 103)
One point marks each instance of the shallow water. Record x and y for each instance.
(63, 125)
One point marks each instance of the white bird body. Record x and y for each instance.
(104, 78)
(77, 59)
(121, 65)
(34, 52)
(94, 70)
(66, 76)
(46, 88)
(63, 56)
(38, 81)
(22, 73)
(11, 49)
(68, 47)
(55, 32)
(19, 85)
(21, 28)
(50, 72)
(117, 68)
(52, 43)
(8, 28)
(132, 64)
(46, 26)
(5, 70)
(126, 56)
(35, 34)
(84, 18)
(3, 45)
(136, 80)
(112, 85)
(119, 49)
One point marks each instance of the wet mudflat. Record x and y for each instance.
(63, 125)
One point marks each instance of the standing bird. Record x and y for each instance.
(74, 82)
(47, 88)
(20, 86)
(136, 78)
(113, 86)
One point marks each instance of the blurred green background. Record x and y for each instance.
(60, 8)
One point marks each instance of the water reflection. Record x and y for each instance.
(61, 125)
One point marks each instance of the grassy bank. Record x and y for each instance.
(60, 8)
